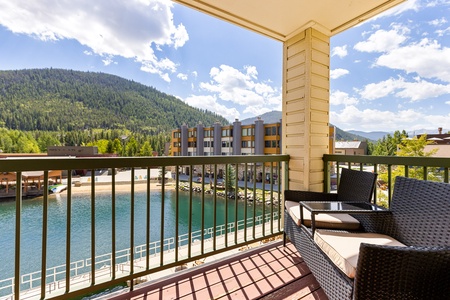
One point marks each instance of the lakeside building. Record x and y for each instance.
(351, 147)
(233, 139)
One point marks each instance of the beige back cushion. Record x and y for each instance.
(328, 221)
(343, 247)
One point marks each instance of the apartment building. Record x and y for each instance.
(233, 139)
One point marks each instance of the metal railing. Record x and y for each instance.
(387, 167)
(256, 179)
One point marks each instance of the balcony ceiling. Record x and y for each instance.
(282, 19)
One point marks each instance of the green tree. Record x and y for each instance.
(230, 178)
(411, 147)
(110, 147)
(146, 149)
(388, 145)
(47, 139)
(131, 148)
(117, 146)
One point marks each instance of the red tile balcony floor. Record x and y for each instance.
(270, 271)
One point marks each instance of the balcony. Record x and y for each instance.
(167, 232)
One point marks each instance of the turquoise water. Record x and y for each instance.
(31, 222)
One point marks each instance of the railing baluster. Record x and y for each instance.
(68, 228)
(245, 199)
(215, 209)
(132, 228)
(446, 175)
(161, 252)
(227, 179)
(236, 200)
(191, 186)
(375, 170)
(18, 235)
(44, 235)
(147, 223)
(389, 184)
(113, 223)
(177, 210)
(92, 227)
(202, 251)
(425, 173)
(254, 202)
(263, 181)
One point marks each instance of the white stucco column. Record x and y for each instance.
(306, 93)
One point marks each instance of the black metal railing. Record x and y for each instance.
(387, 167)
(216, 204)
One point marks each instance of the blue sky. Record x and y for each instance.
(390, 73)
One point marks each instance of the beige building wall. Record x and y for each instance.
(306, 59)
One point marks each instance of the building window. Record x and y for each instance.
(227, 132)
(247, 131)
(271, 131)
(177, 135)
(209, 133)
(192, 133)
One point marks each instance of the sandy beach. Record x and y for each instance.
(121, 187)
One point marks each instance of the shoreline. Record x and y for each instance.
(121, 187)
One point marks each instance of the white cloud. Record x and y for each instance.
(399, 9)
(378, 120)
(182, 76)
(338, 98)
(210, 103)
(339, 51)
(130, 29)
(383, 41)
(426, 58)
(438, 22)
(414, 91)
(240, 87)
(443, 32)
(108, 59)
(336, 73)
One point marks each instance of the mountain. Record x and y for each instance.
(269, 118)
(275, 116)
(56, 99)
(373, 135)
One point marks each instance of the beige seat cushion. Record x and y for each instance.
(343, 247)
(328, 221)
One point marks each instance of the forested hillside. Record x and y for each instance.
(66, 100)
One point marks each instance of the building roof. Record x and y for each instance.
(348, 145)
(283, 19)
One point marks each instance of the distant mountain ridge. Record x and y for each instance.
(269, 118)
(275, 116)
(373, 135)
(67, 100)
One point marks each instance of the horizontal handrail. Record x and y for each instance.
(54, 163)
(390, 160)
(425, 168)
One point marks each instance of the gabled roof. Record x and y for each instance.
(348, 145)
(282, 19)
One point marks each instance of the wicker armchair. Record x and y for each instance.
(353, 186)
(420, 269)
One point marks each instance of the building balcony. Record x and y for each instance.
(142, 228)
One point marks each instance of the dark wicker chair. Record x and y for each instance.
(354, 186)
(420, 220)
